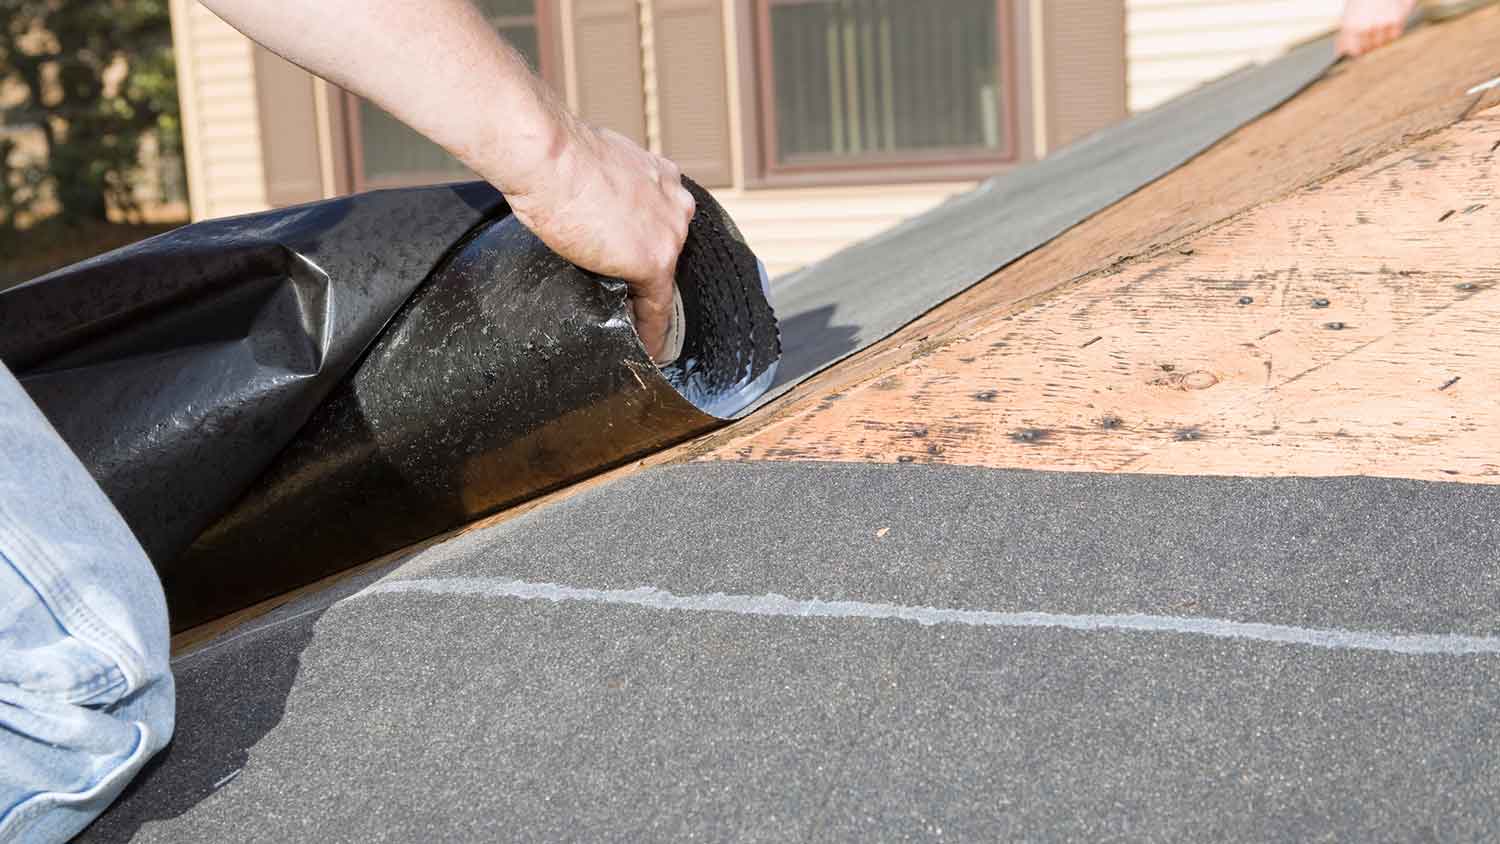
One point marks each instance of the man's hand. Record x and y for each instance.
(1369, 24)
(593, 196)
(616, 209)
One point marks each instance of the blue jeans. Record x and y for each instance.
(86, 691)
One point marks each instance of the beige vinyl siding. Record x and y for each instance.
(793, 227)
(1176, 45)
(221, 121)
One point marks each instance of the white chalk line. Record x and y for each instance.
(781, 606)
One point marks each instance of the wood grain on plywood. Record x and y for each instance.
(1350, 328)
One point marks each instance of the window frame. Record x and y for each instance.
(932, 164)
(549, 68)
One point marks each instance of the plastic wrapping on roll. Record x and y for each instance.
(506, 373)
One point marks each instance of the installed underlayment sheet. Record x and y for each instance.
(864, 293)
(828, 651)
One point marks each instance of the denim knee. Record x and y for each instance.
(86, 693)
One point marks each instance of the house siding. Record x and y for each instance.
(793, 227)
(221, 120)
(1173, 46)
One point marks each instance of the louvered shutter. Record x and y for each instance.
(692, 98)
(606, 65)
(1085, 61)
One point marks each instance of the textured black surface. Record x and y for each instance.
(733, 345)
(509, 372)
(178, 367)
(864, 293)
(450, 717)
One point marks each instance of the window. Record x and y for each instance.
(388, 152)
(877, 82)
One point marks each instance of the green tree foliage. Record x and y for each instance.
(97, 76)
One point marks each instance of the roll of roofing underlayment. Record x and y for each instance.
(508, 373)
(272, 398)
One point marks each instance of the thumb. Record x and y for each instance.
(652, 307)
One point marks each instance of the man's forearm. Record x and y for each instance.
(595, 197)
(436, 65)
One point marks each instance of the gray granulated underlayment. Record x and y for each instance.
(436, 705)
(864, 293)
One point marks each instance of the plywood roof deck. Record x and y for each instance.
(1182, 330)
(1364, 111)
(1352, 327)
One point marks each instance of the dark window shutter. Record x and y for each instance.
(1085, 44)
(607, 61)
(692, 98)
(288, 131)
